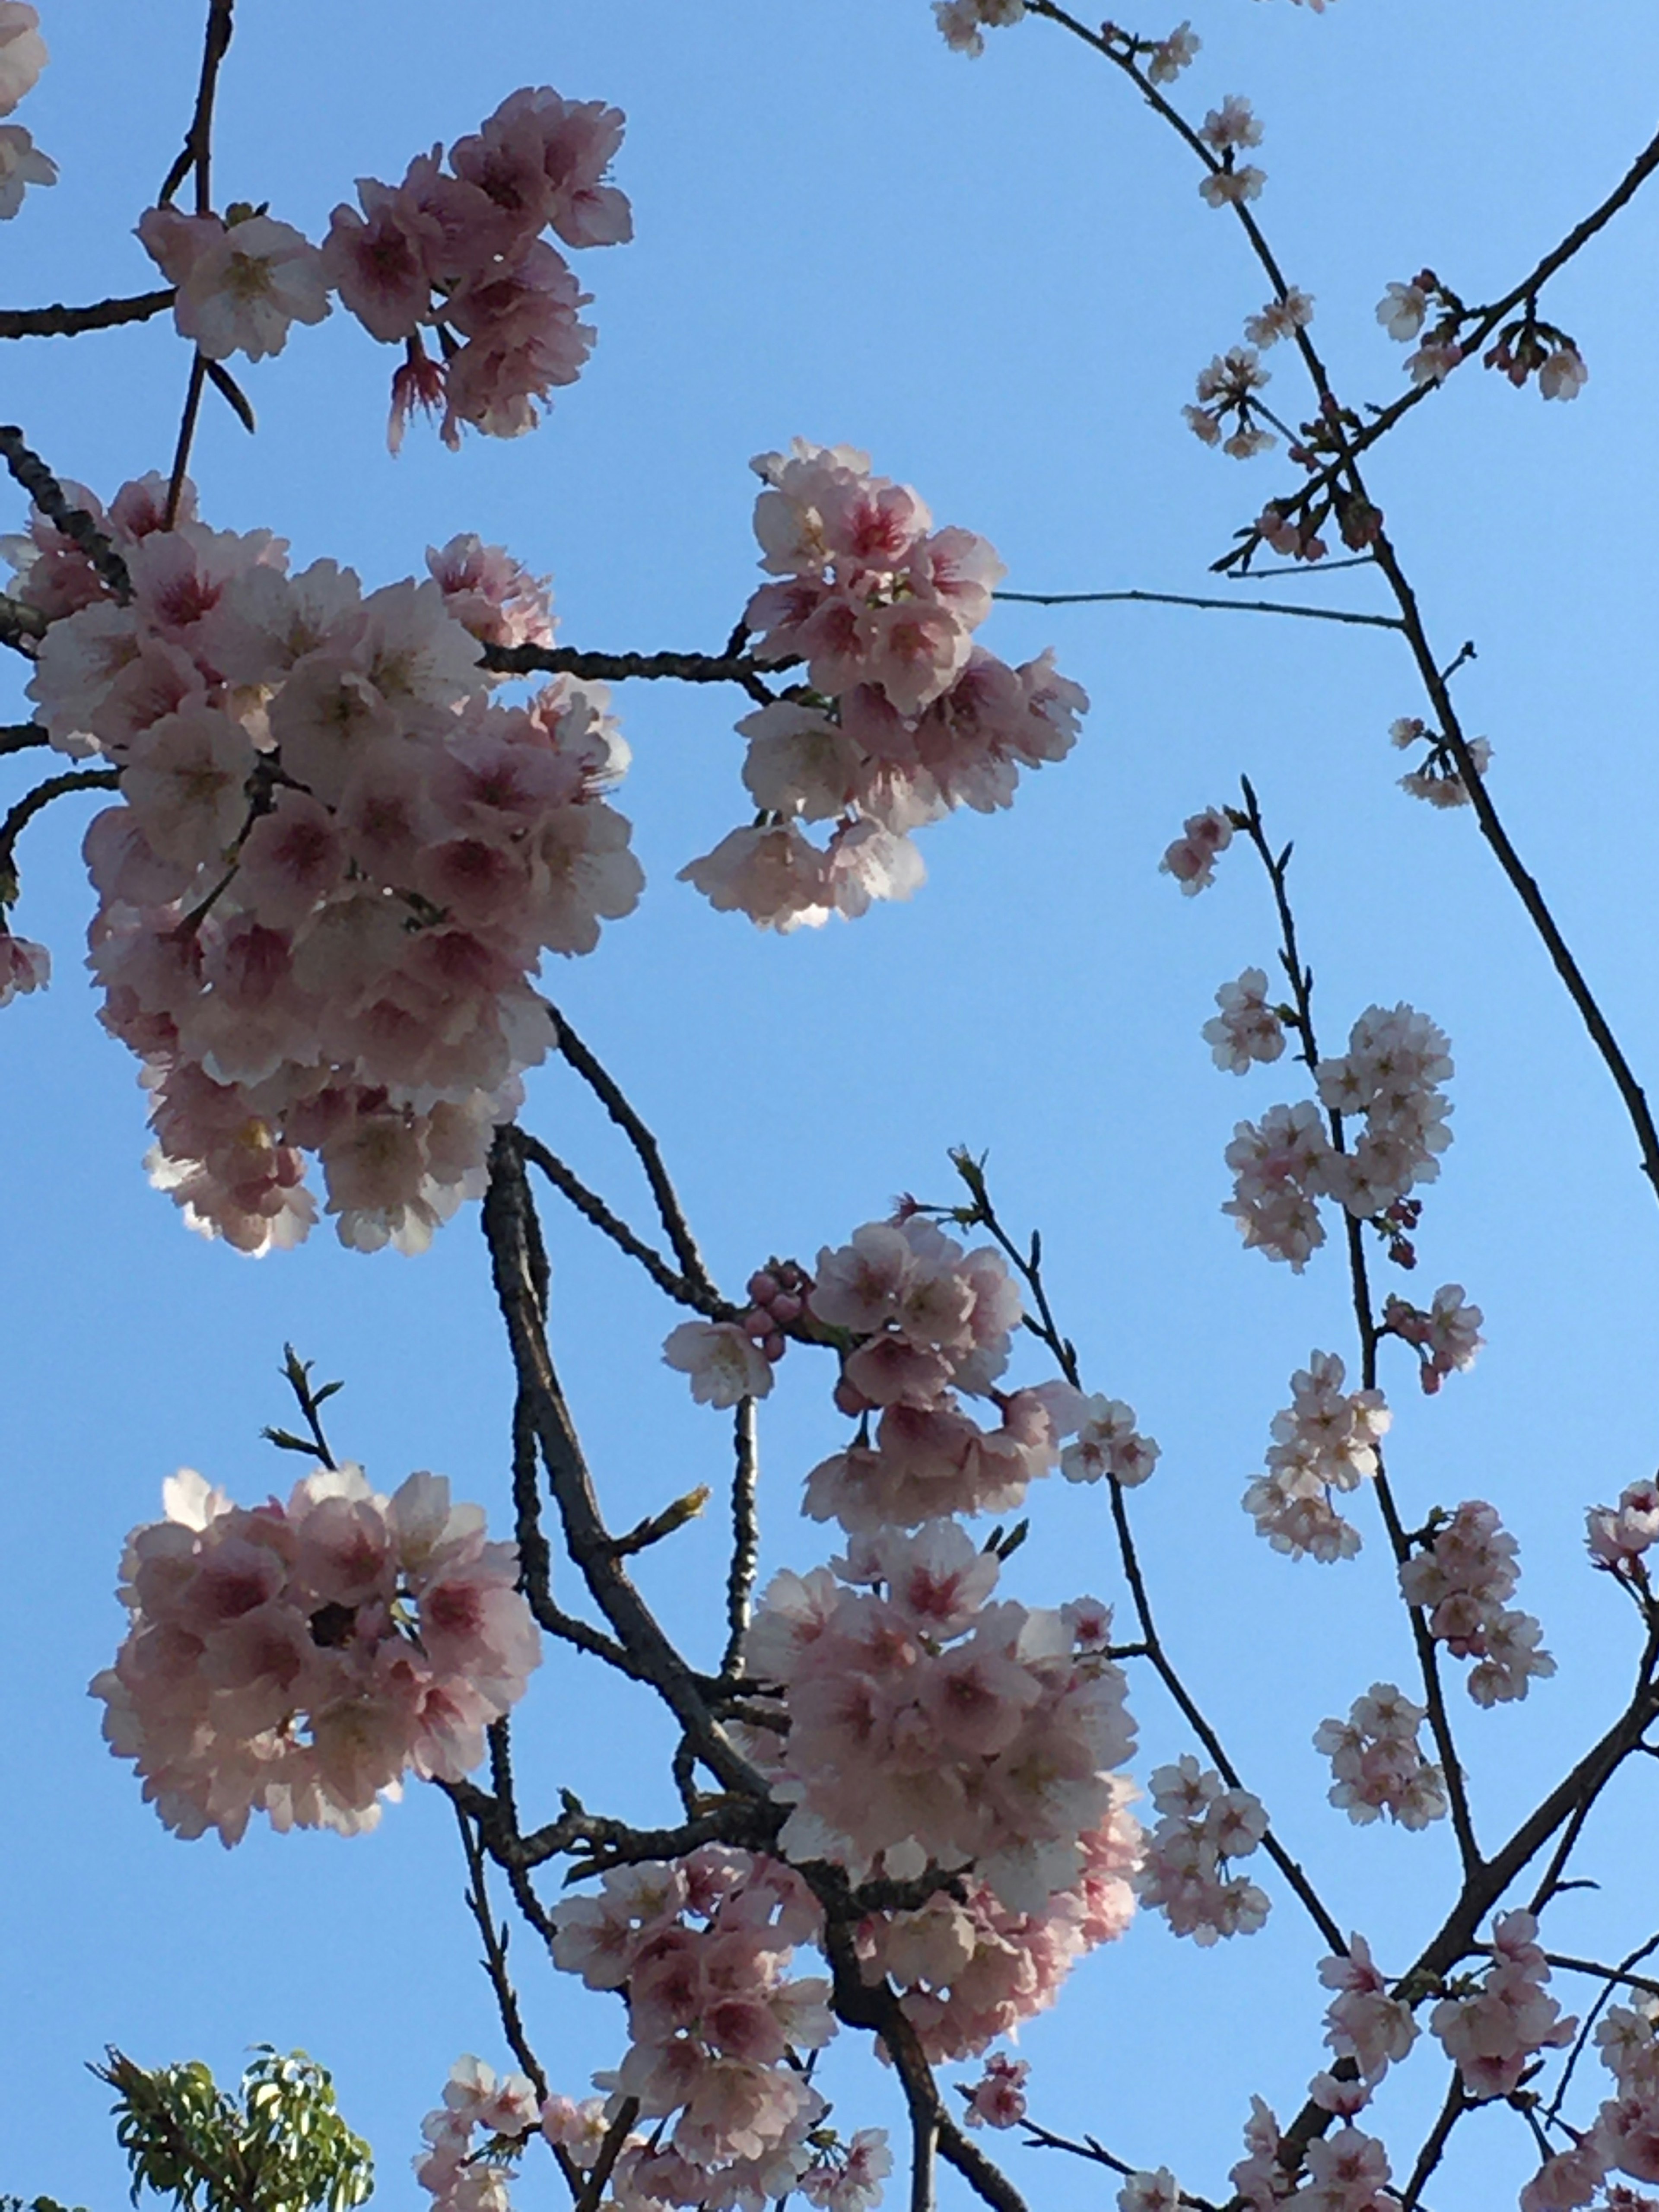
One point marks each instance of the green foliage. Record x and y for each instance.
(33, 2204)
(284, 2148)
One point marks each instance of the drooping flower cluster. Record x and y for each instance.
(1248, 1029)
(1362, 2021)
(1226, 390)
(22, 57)
(460, 253)
(1494, 2030)
(1377, 1762)
(1618, 1535)
(972, 1969)
(921, 1319)
(1460, 1580)
(1326, 1439)
(702, 1946)
(927, 1723)
(1445, 1338)
(905, 718)
(460, 2177)
(1187, 1872)
(299, 1659)
(1191, 860)
(1391, 1074)
(1437, 778)
(334, 866)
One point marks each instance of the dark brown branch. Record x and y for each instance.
(1040, 2138)
(196, 153)
(494, 1958)
(615, 2135)
(21, 626)
(1182, 599)
(1456, 2104)
(187, 422)
(592, 1208)
(745, 1534)
(620, 667)
(608, 1093)
(34, 802)
(61, 322)
(22, 737)
(536, 1558)
(31, 473)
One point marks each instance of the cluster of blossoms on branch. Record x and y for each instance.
(903, 718)
(1446, 1337)
(1624, 2137)
(1437, 778)
(1389, 1078)
(1460, 1578)
(299, 1659)
(22, 57)
(1187, 1872)
(335, 863)
(1326, 1439)
(1524, 348)
(455, 254)
(1495, 2029)
(1618, 1535)
(1376, 1763)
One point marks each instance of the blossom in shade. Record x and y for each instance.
(1281, 1167)
(725, 1364)
(1376, 1764)
(22, 52)
(24, 967)
(1233, 124)
(21, 164)
(1562, 375)
(299, 1659)
(848, 2177)
(240, 285)
(1246, 1029)
(1191, 858)
(1230, 187)
(1391, 1073)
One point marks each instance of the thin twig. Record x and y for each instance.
(62, 322)
(1041, 2138)
(592, 1208)
(608, 1093)
(194, 390)
(1451, 2111)
(34, 802)
(494, 1958)
(196, 153)
(1183, 599)
(1612, 1976)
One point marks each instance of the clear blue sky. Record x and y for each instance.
(999, 277)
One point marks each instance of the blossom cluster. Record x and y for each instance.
(1362, 2021)
(476, 2101)
(1186, 1873)
(1391, 1075)
(928, 1723)
(1347, 2170)
(1191, 858)
(1446, 1337)
(962, 22)
(24, 966)
(298, 1659)
(22, 57)
(1618, 1535)
(1326, 1439)
(1248, 1030)
(456, 254)
(334, 865)
(903, 718)
(1494, 2030)
(997, 2099)
(1437, 778)
(702, 1948)
(971, 1969)
(1224, 131)
(1376, 1763)
(1625, 2138)
(1460, 1579)
(1226, 389)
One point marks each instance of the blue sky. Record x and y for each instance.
(997, 277)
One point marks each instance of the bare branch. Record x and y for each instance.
(62, 322)
(622, 667)
(745, 1534)
(676, 1285)
(1183, 599)
(33, 803)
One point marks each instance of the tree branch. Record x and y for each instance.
(1184, 599)
(43, 488)
(61, 322)
(623, 667)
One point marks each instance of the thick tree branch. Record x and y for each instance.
(622, 667)
(31, 473)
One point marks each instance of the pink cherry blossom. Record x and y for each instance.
(1376, 1762)
(21, 164)
(723, 1363)
(240, 285)
(22, 51)
(24, 967)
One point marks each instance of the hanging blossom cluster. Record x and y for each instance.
(962, 22)
(1445, 1337)
(1187, 1872)
(1376, 1763)
(1495, 2029)
(299, 1659)
(463, 2177)
(334, 866)
(1525, 348)
(1618, 1535)
(1248, 1030)
(928, 1723)
(902, 718)
(701, 1948)
(1460, 1579)
(1389, 1078)
(1225, 131)
(1437, 778)
(1624, 2137)
(972, 1969)
(1326, 1439)
(458, 255)
(1363, 2022)
(1347, 2170)
(22, 57)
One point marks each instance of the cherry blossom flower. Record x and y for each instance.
(1434, 361)
(1326, 1439)
(848, 2179)
(961, 21)
(1150, 2192)
(1279, 319)
(1282, 1165)
(22, 52)
(241, 284)
(1246, 1029)
(299, 1659)
(1392, 1072)
(997, 2099)
(1403, 309)
(1109, 1443)
(1563, 375)
(1228, 187)
(21, 164)
(1224, 389)
(1496, 2027)
(724, 1365)
(1185, 1873)
(1169, 55)
(1446, 1337)
(1348, 2171)
(1620, 1535)
(24, 967)
(1191, 858)
(1362, 2021)
(1460, 1578)
(1376, 1763)
(1233, 124)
